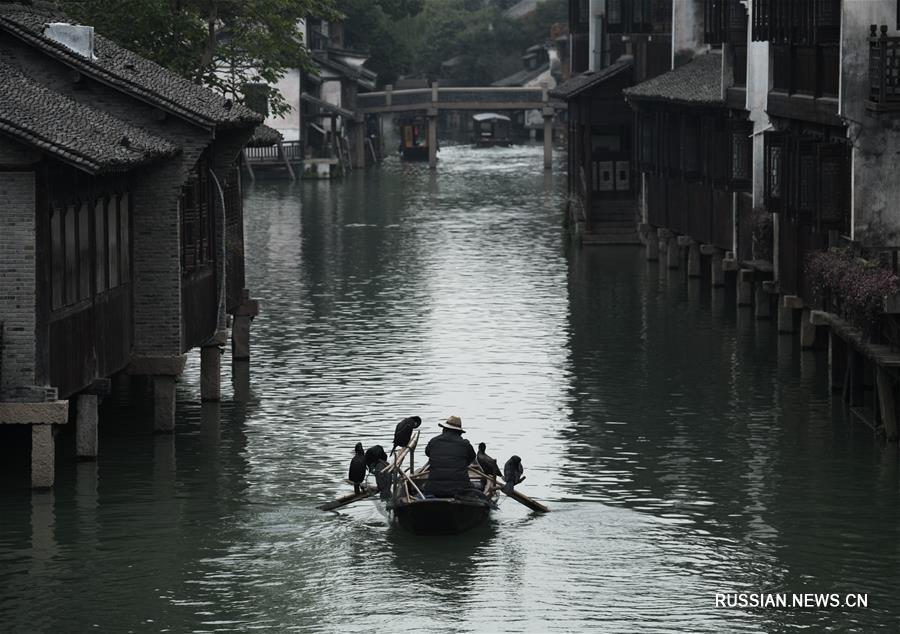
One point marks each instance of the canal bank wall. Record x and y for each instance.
(865, 374)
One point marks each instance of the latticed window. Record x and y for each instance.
(741, 158)
(196, 218)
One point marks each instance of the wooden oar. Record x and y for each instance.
(350, 498)
(518, 496)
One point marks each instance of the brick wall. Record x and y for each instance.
(17, 279)
(156, 191)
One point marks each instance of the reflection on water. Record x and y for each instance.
(684, 447)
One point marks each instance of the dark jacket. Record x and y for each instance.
(449, 456)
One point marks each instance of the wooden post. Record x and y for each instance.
(248, 166)
(548, 113)
(432, 140)
(359, 141)
(886, 402)
(287, 161)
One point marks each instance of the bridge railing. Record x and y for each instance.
(286, 150)
(436, 96)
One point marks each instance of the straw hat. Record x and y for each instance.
(452, 423)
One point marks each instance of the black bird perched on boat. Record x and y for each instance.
(382, 479)
(374, 454)
(512, 473)
(358, 468)
(487, 464)
(404, 431)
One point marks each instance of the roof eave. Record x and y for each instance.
(73, 60)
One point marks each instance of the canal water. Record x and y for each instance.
(684, 448)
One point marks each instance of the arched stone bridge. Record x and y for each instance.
(429, 101)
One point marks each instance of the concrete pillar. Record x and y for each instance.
(673, 255)
(652, 252)
(86, 418)
(164, 404)
(240, 381)
(693, 260)
(432, 141)
(837, 361)
(717, 272)
(807, 330)
(240, 337)
(887, 403)
(785, 319)
(763, 303)
(210, 373)
(745, 287)
(548, 141)
(43, 455)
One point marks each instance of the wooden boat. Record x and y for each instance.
(427, 515)
(443, 516)
(413, 139)
(491, 130)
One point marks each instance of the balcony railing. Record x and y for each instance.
(884, 71)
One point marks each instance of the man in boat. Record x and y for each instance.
(449, 456)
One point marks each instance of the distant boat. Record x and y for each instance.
(491, 130)
(413, 138)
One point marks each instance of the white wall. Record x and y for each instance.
(875, 137)
(687, 30)
(289, 124)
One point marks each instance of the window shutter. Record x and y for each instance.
(775, 167)
(833, 186)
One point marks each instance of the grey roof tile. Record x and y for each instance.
(129, 72)
(696, 83)
(57, 125)
(585, 81)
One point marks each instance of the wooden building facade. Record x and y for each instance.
(124, 248)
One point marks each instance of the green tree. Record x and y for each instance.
(223, 44)
(373, 25)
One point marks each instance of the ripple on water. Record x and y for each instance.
(683, 450)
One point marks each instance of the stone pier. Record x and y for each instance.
(716, 269)
(242, 317)
(693, 255)
(762, 303)
(807, 330)
(86, 422)
(162, 371)
(745, 287)
(42, 417)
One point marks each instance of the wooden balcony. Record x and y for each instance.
(884, 71)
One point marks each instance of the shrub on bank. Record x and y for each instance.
(850, 286)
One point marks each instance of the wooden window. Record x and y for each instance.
(741, 155)
(833, 185)
(691, 145)
(774, 171)
(739, 64)
(57, 259)
(85, 261)
(196, 219)
(125, 238)
(614, 18)
(112, 240)
(648, 141)
(101, 281)
(70, 239)
(674, 142)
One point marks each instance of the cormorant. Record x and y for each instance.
(358, 468)
(383, 480)
(374, 454)
(404, 431)
(512, 473)
(487, 464)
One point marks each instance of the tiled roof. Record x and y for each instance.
(264, 136)
(129, 72)
(585, 81)
(523, 76)
(698, 83)
(90, 139)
